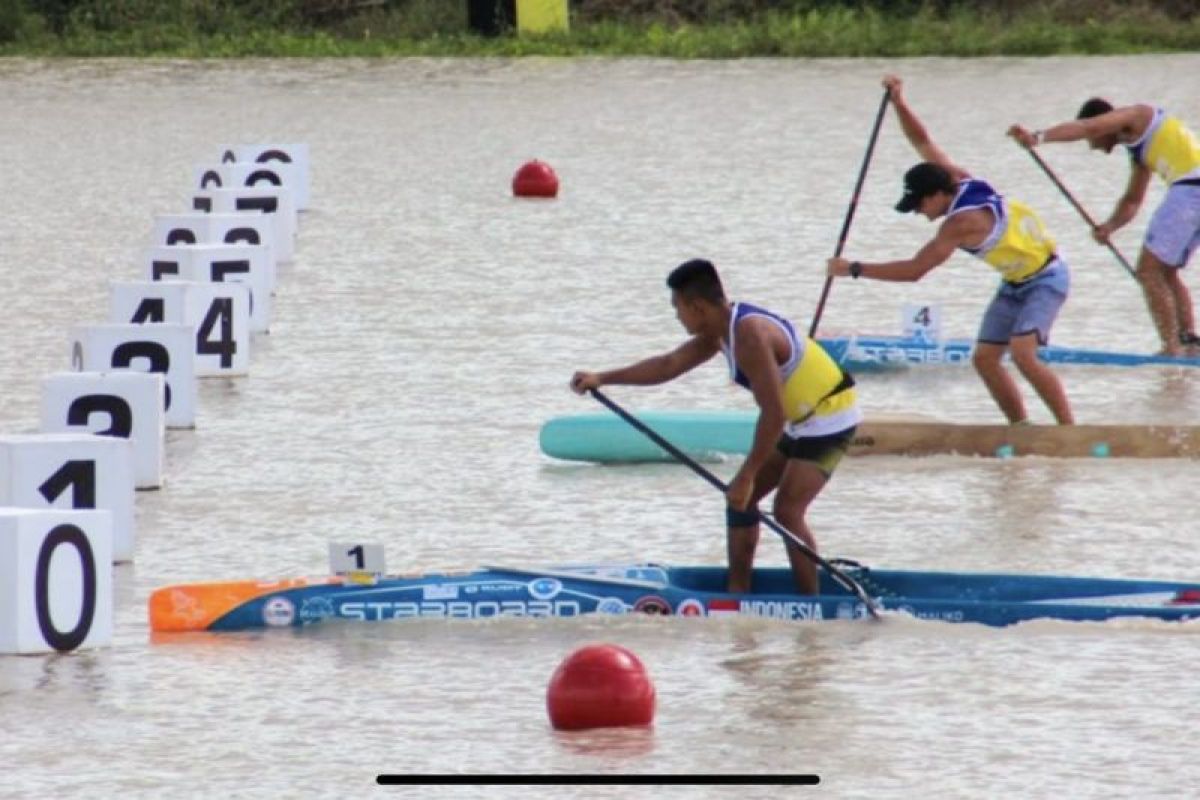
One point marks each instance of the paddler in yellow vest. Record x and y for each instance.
(1157, 142)
(1005, 234)
(807, 410)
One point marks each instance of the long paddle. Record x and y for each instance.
(845, 580)
(1082, 211)
(862, 176)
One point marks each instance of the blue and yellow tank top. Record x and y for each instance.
(1017, 246)
(1167, 147)
(818, 395)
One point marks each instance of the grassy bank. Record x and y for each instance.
(667, 28)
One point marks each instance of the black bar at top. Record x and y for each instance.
(595, 780)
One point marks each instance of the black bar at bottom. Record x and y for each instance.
(595, 780)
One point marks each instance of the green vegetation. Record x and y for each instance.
(670, 28)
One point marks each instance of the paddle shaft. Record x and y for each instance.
(862, 176)
(1082, 211)
(851, 585)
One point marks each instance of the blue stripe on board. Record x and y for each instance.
(874, 352)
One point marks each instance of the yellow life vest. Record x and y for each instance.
(818, 387)
(1168, 148)
(1018, 245)
(815, 389)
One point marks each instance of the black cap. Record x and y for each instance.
(921, 181)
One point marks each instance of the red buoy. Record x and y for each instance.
(535, 179)
(600, 686)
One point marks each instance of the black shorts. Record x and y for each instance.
(824, 451)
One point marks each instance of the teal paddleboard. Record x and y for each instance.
(605, 437)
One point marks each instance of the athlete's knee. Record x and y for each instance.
(739, 518)
(791, 517)
(1151, 267)
(987, 362)
(1027, 360)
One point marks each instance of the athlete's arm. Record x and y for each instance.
(755, 357)
(1130, 120)
(1127, 207)
(654, 370)
(915, 132)
(953, 233)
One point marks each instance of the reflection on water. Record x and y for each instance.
(75, 677)
(608, 747)
(1171, 389)
(783, 687)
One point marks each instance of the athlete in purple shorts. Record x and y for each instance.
(1156, 142)
(1008, 236)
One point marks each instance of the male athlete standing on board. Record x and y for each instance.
(807, 410)
(1156, 142)
(1008, 236)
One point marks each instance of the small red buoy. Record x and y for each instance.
(600, 686)
(535, 179)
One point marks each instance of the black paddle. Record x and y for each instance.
(862, 176)
(1082, 211)
(845, 580)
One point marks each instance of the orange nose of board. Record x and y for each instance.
(196, 606)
